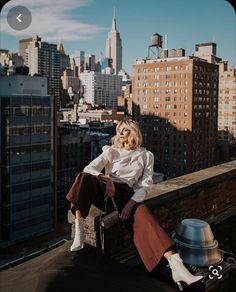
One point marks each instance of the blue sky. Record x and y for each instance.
(84, 25)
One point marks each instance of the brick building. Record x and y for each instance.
(175, 101)
(227, 105)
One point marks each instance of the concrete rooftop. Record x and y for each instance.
(60, 270)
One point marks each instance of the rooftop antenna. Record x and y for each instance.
(165, 42)
(114, 19)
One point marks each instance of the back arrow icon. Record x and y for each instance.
(18, 18)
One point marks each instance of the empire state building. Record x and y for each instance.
(113, 48)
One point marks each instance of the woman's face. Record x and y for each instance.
(123, 133)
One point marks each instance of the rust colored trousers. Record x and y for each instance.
(150, 239)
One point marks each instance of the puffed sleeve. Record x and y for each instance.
(143, 186)
(96, 166)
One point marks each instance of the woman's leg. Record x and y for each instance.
(168, 254)
(153, 243)
(179, 271)
(79, 236)
(84, 192)
(78, 215)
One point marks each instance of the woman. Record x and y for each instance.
(128, 179)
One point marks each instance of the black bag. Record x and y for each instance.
(107, 220)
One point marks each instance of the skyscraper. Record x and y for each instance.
(113, 48)
(44, 59)
(64, 59)
(26, 159)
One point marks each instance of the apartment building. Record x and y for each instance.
(44, 60)
(101, 89)
(227, 105)
(176, 102)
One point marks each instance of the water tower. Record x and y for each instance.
(155, 49)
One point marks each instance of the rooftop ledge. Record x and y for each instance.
(213, 174)
(209, 194)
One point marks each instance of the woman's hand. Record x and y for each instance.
(127, 210)
(110, 187)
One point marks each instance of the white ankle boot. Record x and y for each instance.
(79, 237)
(180, 272)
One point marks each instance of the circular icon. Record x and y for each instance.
(19, 17)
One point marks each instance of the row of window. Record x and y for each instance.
(168, 106)
(205, 69)
(204, 84)
(24, 187)
(161, 76)
(27, 168)
(31, 222)
(27, 204)
(167, 68)
(204, 106)
(19, 150)
(164, 84)
(36, 110)
(30, 130)
(9, 102)
(205, 91)
(206, 77)
(165, 91)
(198, 68)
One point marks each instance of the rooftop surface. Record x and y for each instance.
(61, 270)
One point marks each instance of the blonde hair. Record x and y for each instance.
(135, 137)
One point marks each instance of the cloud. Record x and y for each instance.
(51, 19)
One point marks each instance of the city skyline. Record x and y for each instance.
(84, 25)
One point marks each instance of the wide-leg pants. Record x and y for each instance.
(87, 189)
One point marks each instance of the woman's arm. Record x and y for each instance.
(143, 186)
(96, 166)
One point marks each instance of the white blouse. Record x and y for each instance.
(134, 167)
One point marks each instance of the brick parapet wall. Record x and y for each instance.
(209, 194)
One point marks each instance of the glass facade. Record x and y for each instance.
(27, 176)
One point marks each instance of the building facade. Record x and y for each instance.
(44, 60)
(113, 49)
(27, 199)
(207, 51)
(23, 45)
(10, 59)
(101, 89)
(227, 105)
(176, 102)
